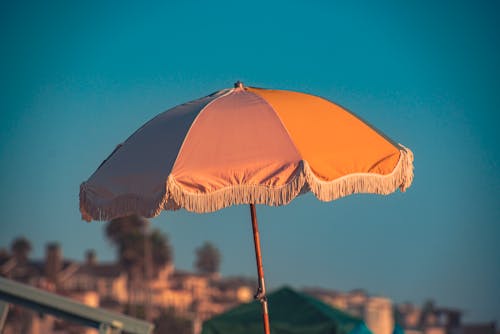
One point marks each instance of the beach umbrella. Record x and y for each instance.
(245, 145)
(293, 313)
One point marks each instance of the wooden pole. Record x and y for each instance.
(261, 292)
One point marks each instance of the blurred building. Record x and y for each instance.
(194, 296)
(377, 312)
(191, 295)
(486, 328)
(381, 316)
(429, 319)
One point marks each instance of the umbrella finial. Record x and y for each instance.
(238, 84)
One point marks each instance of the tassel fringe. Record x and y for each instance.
(175, 197)
(401, 177)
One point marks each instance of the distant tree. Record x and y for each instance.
(117, 228)
(21, 247)
(427, 311)
(130, 234)
(141, 254)
(4, 255)
(161, 249)
(208, 258)
(168, 322)
(127, 235)
(131, 254)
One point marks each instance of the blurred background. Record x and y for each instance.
(77, 78)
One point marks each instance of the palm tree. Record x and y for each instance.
(21, 247)
(132, 239)
(426, 313)
(122, 226)
(161, 249)
(127, 235)
(208, 258)
(140, 252)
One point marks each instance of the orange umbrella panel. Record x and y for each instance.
(241, 146)
(245, 146)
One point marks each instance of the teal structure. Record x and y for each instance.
(290, 312)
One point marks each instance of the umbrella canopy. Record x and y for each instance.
(293, 313)
(244, 145)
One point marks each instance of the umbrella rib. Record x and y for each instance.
(280, 121)
(196, 118)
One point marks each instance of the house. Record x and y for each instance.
(375, 311)
(106, 284)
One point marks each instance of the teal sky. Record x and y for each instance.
(77, 78)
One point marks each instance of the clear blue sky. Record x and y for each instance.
(77, 78)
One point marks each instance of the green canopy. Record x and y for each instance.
(290, 312)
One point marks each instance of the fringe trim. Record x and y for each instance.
(176, 197)
(234, 195)
(120, 206)
(401, 177)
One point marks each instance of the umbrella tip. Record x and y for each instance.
(238, 84)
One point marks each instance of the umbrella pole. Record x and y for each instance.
(261, 292)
